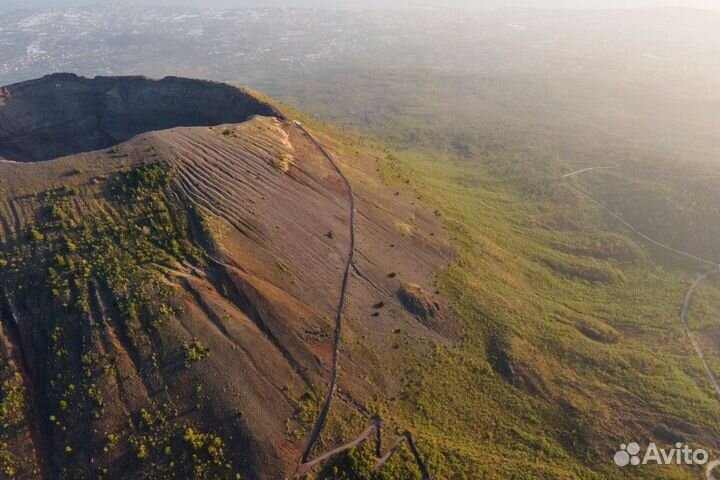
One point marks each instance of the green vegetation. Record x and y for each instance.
(671, 204)
(78, 251)
(194, 352)
(306, 411)
(12, 402)
(36, 235)
(105, 270)
(168, 449)
(546, 330)
(570, 337)
(13, 408)
(359, 464)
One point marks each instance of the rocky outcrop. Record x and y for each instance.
(417, 301)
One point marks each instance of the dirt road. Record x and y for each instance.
(589, 169)
(691, 336)
(640, 233)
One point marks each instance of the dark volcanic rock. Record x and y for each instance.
(63, 114)
(417, 301)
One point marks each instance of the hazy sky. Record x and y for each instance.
(382, 3)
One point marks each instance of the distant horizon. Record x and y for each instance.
(378, 4)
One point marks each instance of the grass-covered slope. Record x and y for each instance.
(574, 342)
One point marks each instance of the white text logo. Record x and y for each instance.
(682, 454)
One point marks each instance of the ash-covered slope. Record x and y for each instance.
(167, 304)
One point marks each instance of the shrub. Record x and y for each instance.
(195, 352)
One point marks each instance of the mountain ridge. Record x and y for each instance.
(160, 349)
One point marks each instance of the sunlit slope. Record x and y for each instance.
(167, 302)
(574, 341)
(176, 292)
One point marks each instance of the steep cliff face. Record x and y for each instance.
(63, 114)
(167, 304)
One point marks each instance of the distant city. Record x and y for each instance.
(219, 44)
(260, 47)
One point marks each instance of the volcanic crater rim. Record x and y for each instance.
(65, 114)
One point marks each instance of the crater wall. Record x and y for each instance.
(64, 114)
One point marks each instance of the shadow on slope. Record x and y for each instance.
(63, 114)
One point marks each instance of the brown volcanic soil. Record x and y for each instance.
(269, 209)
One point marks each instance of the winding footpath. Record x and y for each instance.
(641, 234)
(376, 426)
(322, 419)
(691, 336)
(710, 468)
